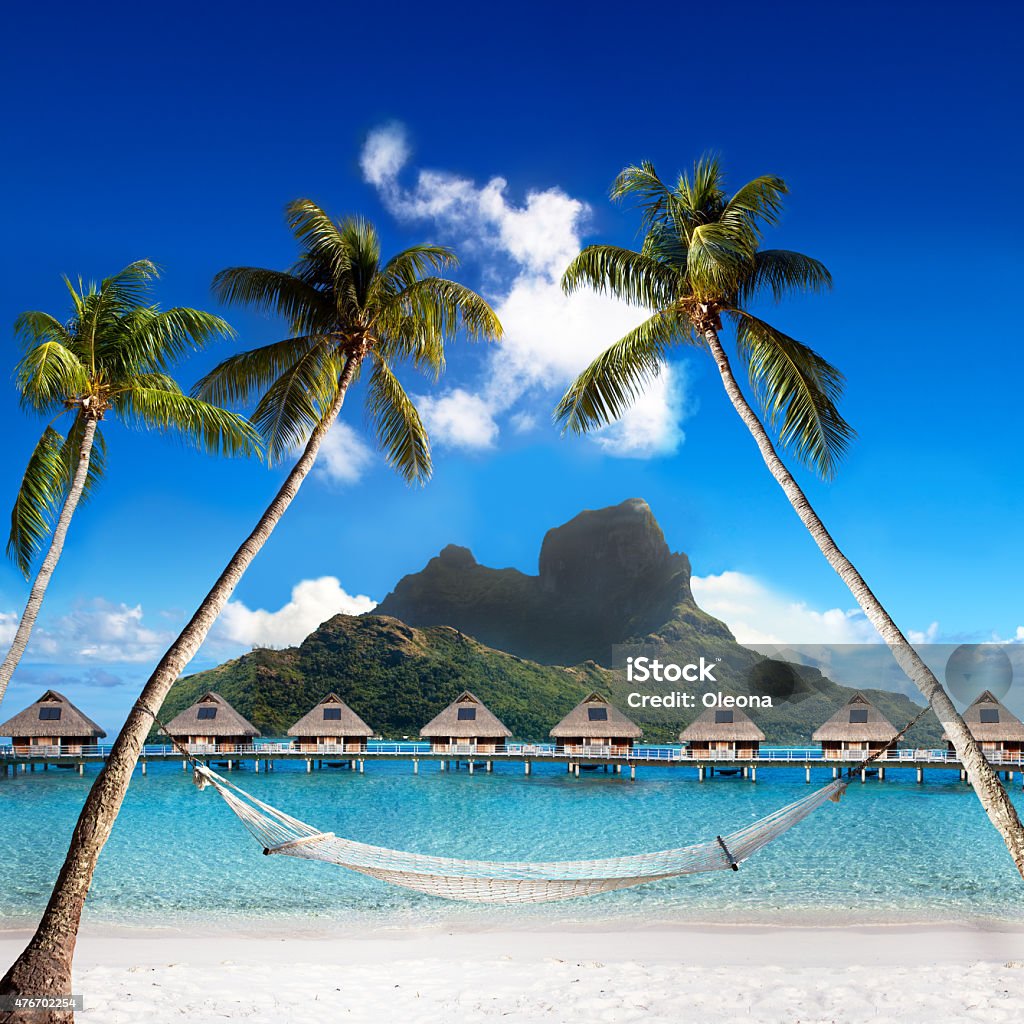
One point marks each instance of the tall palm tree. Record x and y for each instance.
(345, 307)
(700, 261)
(109, 359)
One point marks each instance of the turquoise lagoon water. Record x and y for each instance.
(889, 852)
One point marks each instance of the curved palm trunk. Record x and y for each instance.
(990, 791)
(44, 968)
(46, 570)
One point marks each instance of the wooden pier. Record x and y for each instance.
(577, 759)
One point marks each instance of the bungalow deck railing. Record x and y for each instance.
(514, 751)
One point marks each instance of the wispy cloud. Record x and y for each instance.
(344, 456)
(758, 614)
(96, 631)
(549, 337)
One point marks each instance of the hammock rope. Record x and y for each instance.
(484, 881)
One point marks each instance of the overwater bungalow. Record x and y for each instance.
(723, 733)
(856, 730)
(212, 725)
(594, 727)
(331, 727)
(52, 725)
(466, 726)
(999, 732)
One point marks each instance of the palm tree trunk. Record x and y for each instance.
(44, 967)
(987, 786)
(46, 570)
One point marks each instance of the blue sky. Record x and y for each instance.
(179, 134)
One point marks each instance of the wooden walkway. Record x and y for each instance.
(577, 760)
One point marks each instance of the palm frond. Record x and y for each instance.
(717, 261)
(322, 239)
(409, 265)
(362, 243)
(34, 327)
(703, 190)
(240, 377)
(649, 193)
(632, 277)
(612, 382)
(48, 374)
(275, 291)
(155, 401)
(798, 391)
(758, 202)
(400, 431)
(666, 246)
(781, 272)
(39, 496)
(445, 307)
(127, 289)
(148, 339)
(296, 402)
(405, 338)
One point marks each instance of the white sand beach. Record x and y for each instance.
(763, 975)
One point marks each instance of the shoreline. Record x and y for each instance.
(376, 925)
(714, 942)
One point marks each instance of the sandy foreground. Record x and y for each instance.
(769, 975)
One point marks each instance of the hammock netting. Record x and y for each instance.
(486, 881)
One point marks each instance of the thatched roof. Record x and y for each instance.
(63, 719)
(343, 721)
(721, 724)
(225, 720)
(989, 719)
(594, 717)
(476, 720)
(857, 719)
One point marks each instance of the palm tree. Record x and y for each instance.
(345, 308)
(110, 358)
(700, 261)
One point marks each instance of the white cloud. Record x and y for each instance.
(458, 419)
(312, 602)
(549, 337)
(8, 626)
(344, 456)
(384, 153)
(651, 426)
(102, 632)
(523, 422)
(1017, 638)
(924, 636)
(756, 614)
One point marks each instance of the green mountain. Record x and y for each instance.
(608, 587)
(394, 676)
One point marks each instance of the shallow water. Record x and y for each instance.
(891, 851)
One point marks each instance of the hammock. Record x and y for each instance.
(483, 881)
